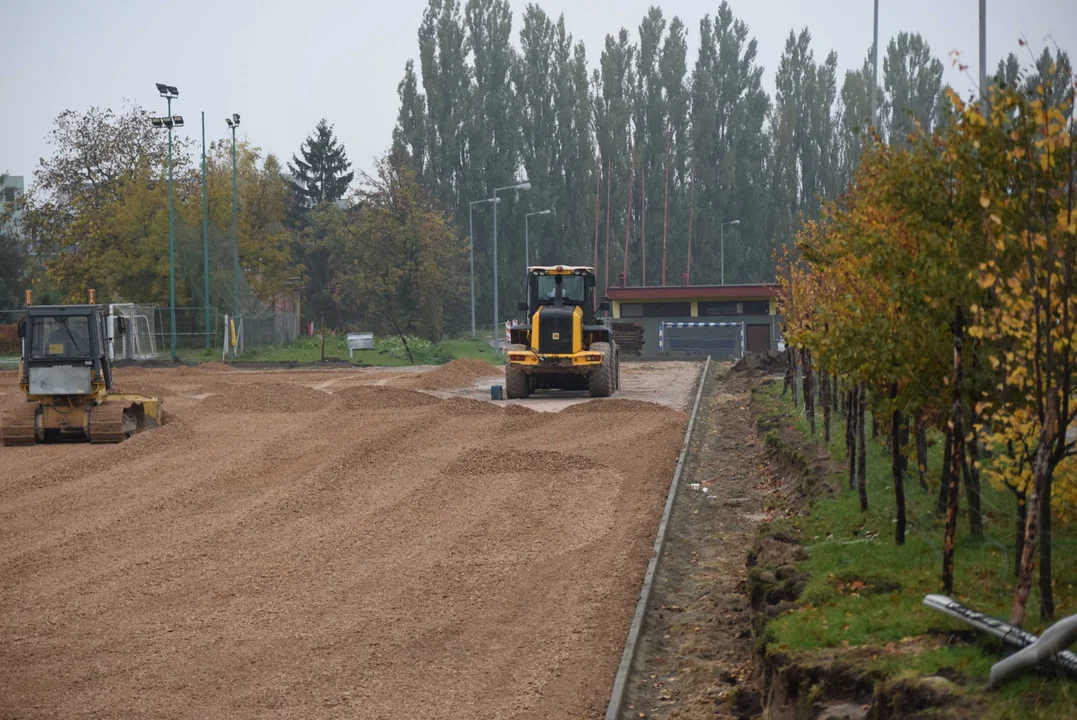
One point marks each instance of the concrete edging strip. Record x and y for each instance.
(620, 683)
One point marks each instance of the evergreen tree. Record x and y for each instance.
(322, 175)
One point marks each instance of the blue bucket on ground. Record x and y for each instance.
(497, 392)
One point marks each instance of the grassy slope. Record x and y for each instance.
(846, 546)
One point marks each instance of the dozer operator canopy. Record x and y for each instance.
(65, 351)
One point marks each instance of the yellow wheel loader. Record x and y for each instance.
(66, 373)
(563, 345)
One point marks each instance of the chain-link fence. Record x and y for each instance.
(148, 332)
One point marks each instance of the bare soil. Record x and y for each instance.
(695, 653)
(322, 544)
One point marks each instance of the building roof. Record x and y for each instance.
(693, 292)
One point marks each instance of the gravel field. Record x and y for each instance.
(322, 544)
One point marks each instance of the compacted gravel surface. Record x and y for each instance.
(317, 544)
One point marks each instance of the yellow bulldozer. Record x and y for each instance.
(564, 345)
(65, 371)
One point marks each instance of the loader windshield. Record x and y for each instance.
(59, 337)
(572, 288)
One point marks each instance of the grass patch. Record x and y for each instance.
(387, 352)
(866, 591)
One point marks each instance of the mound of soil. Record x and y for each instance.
(468, 406)
(456, 374)
(366, 397)
(215, 367)
(489, 462)
(604, 407)
(768, 360)
(267, 397)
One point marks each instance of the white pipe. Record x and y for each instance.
(1009, 634)
(1055, 639)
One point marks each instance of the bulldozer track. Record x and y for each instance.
(111, 423)
(19, 425)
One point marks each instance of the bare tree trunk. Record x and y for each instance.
(897, 466)
(874, 423)
(972, 486)
(809, 394)
(835, 402)
(921, 450)
(957, 452)
(789, 378)
(824, 381)
(1019, 528)
(944, 480)
(850, 435)
(793, 374)
(862, 456)
(1047, 593)
(1041, 482)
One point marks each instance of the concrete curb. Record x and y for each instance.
(620, 683)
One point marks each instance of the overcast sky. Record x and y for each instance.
(283, 65)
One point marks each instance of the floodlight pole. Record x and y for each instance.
(731, 222)
(875, 67)
(235, 230)
(205, 231)
(525, 185)
(171, 241)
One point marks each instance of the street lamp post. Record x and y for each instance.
(233, 123)
(527, 252)
(169, 121)
(471, 242)
(731, 222)
(525, 185)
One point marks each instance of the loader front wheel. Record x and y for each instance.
(517, 384)
(603, 380)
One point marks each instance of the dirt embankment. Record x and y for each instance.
(378, 552)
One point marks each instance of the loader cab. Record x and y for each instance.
(65, 350)
(563, 287)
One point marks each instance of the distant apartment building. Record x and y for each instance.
(11, 188)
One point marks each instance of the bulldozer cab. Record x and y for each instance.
(65, 350)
